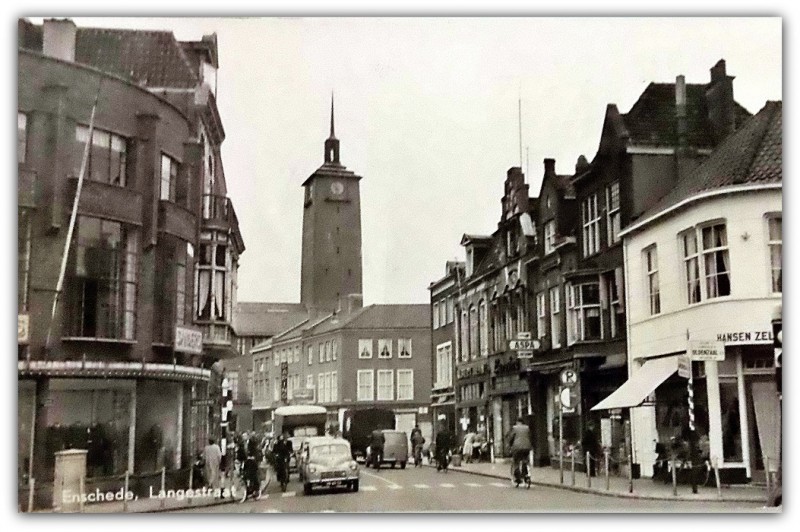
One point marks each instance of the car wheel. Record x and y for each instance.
(307, 489)
(402, 465)
(355, 485)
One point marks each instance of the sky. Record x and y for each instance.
(428, 113)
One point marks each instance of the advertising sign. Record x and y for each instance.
(23, 328)
(284, 382)
(684, 367)
(704, 350)
(188, 340)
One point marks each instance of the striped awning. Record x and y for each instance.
(641, 384)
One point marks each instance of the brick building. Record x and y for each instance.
(129, 369)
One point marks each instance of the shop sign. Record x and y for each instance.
(684, 367)
(188, 340)
(303, 396)
(745, 337)
(703, 350)
(284, 382)
(23, 328)
(202, 402)
(524, 345)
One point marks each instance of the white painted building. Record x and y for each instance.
(705, 264)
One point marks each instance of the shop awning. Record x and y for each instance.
(641, 384)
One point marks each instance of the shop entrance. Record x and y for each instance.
(763, 418)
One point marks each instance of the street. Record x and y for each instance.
(426, 490)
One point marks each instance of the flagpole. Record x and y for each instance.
(72, 219)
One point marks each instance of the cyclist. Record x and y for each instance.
(283, 452)
(519, 438)
(417, 441)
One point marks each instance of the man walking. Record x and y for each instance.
(444, 443)
(417, 441)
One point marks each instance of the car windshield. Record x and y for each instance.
(325, 451)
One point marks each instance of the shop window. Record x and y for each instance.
(775, 245)
(107, 162)
(731, 424)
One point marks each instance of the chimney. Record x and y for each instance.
(549, 167)
(354, 302)
(59, 39)
(680, 110)
(581, 165)
(720, 103)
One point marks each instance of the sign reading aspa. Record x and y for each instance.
(188, 340)
(705, 350)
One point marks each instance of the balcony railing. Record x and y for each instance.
(218, 210)
(217, 334)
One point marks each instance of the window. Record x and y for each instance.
(483, 338)
(449, 312)
(385, 348)
(405, 384)
(310, 382)
(444, 365)
(297, 354)
(169, 177)
(23, 257)
(651, 266)
(310, 351)
(555, 316)
(365, 348)
(101, 293)
(180, 292)
(276, 389)
(334, 349)
(213, 290)
(404, 348)
(321, 349)
(473, 332)
(691, 266)
(442, 313)
(276, 358)
(385, 385)
(323, 388)
(716, 263)
(365, 379)
(334, 387)
(775, 228)
(233, 384)
(550, 236)
(436, 315)
(249, 390)
(22, 137)
(107, 156)
(283, 356)
(326, 349)
(464, 344)
(612, 213)
(611, 294)
(541, 315)
(590, 217)
(583, 312)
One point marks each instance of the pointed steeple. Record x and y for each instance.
(333, 135)
(332, 143)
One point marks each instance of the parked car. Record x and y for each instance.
(395, 449)
(328, 462)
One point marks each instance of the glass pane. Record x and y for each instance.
(731, 427)
(689, 244)
(591, 294)
(775, 229)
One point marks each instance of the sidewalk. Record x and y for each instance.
(643, 488)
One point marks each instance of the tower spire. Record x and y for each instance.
(333, 135)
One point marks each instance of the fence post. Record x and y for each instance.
(572, 463)
(127, 489)
(766, 470)
(31, 484)
(588, 470)
(674, 477)
(191, 480)
(606, 456)
(163, 485)
(630, 472)
(716, 478)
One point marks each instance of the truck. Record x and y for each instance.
(301, 422)
(359, 424)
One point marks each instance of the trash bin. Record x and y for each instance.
(68, 480)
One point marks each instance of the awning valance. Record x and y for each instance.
(641, 384)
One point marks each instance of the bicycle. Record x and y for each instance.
(418, 455)
(520, 473)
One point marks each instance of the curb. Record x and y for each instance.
(618, 494)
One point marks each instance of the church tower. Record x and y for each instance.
(331, 262)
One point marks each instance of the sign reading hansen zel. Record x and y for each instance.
(188, 340)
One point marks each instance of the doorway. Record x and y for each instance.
(763, 418)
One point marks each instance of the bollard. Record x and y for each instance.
(605, 459)
(588, 470)
(572, 461)
(31, 483)
(716, 478)
(674, 478)
(561, 466)
(80, 504)
(163, 483)
(191, 482)
(630, 473)
(127, 489)
(766, 470)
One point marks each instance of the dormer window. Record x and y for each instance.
(470, 259)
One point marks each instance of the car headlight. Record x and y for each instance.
(312, 469)
(353, 466)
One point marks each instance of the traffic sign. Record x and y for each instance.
(524, 354)
(684, 367)
(568, 399)
(569, 377)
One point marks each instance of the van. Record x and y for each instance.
(395, 448)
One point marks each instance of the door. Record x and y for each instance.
(764, 420)
(405, 423)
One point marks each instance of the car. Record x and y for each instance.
(395, 449)
(327, 462)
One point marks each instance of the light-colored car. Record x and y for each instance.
(395, 449)
(327, 462)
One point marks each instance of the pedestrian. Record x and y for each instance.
(590, 444)
(376, 448)
(417, 441)
(212, 459)
(466, 449)
(444, 443)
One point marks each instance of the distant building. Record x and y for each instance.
(707, 261)
(129, 372)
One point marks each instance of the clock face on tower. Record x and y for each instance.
(337, 187)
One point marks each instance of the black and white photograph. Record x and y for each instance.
(399, 264)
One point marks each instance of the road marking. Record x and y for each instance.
(369, 488)
(381, 479)
(289, 494)
(472, 484)
(328, 511)
(447, 485)
(499, 485)
(271, 511)
(395, 487)
(421, 486)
